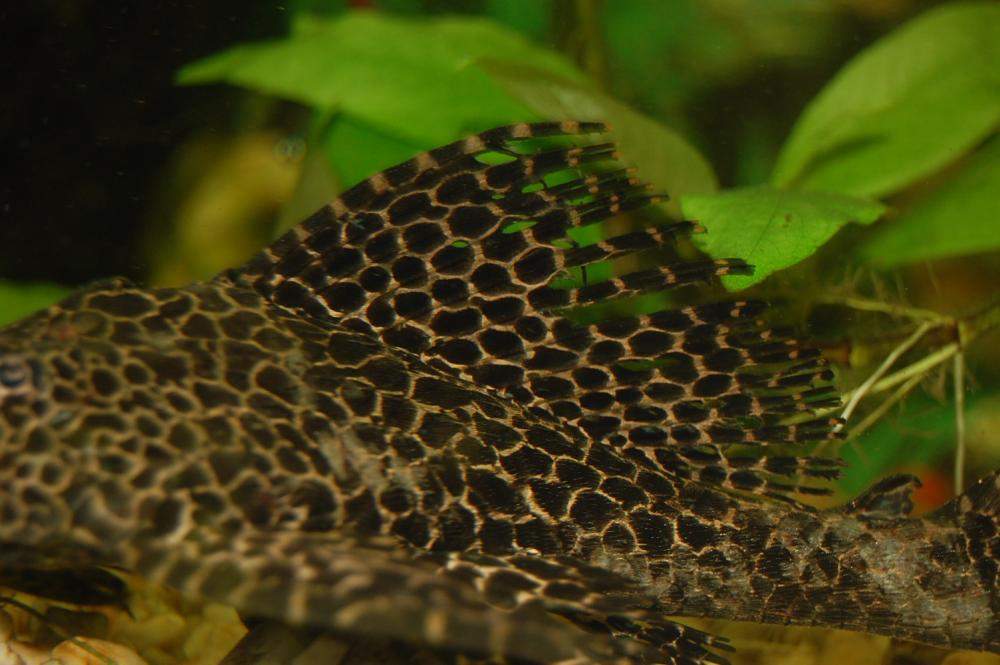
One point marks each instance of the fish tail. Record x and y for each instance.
(976, 513)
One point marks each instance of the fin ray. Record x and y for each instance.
(427, 260)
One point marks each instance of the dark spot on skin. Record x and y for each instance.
(407, 448)
(599, 427)
(457, 189)
(277, 382)
(383, 246)
(250, 496)
(456, 527)
(199, 326)
(492, 492)
(272, 340)
(388, 374)
(423, 237)
(471, 221)
(553, 443)
(527, 462)
(538, 535)
(414, 528)
(592, 510)
(698, 535)
(474, 452)
(167, 516)
(98, 421)
(241, 324)
(396, 499)
(39, 441)
(291, 461)
(503, 586)
(618, 538)
(127, 304)
(654, 532)
(212, 395)
(775, 562)
(497, 536)
(181, 436)
(577, 475)
(626, 494)
(104, 382)
(167, 369)
(136, 374)
(441, 393)
(408, 208)
(552, 497)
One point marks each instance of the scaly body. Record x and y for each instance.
(373, 428)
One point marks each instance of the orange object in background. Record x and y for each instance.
(937, 486)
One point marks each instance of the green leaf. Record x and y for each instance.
(662, 156)
(960, 217)
(528, 17)
(770, 228)
(356, 149)
(17, 299)
(407, 77)
(903, 108)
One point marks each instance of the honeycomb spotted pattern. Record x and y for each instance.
(484, 307)
(386, 425)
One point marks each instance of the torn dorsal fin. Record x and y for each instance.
(888, 499)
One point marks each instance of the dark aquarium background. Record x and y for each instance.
(847, 148)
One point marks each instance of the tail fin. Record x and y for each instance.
(456, 259)
(977, 513)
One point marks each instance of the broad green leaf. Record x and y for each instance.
(903, 108)
(662, 156)
(408, 77)
(770, 228)
(960, 217)
(17, 299)
(356, 150)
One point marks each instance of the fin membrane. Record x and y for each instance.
(519, 606)
(460, 261)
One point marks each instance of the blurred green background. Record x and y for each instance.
(847, 148)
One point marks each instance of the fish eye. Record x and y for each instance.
(15, 375)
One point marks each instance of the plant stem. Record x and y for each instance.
(959, 382)
(918, 368)
(884, 407)
(870, 382)
(579, 33)
(892, 309)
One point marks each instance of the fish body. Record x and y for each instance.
(385, 424)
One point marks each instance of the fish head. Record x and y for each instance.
(59, 366)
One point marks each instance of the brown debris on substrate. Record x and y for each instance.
(158, 627)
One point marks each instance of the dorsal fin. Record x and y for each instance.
(456, 259)
(888, 499)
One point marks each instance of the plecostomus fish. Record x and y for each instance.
(386, 424)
